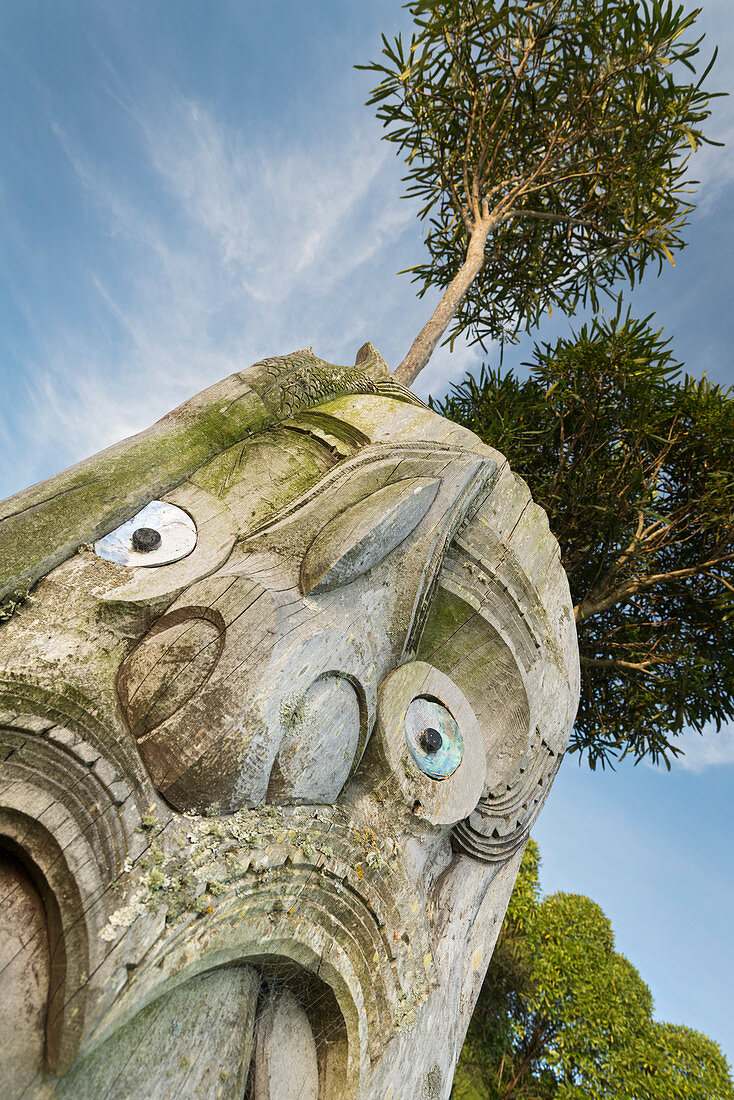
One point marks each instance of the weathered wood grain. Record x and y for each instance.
(229, 862)
(195, 1041)
(25, 966)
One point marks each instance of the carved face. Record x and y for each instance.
(274, 739)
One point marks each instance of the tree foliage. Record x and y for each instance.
(635, 466)
(547, 142)
(563, 1016)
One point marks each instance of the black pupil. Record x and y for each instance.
(146, 539)
(430, 740)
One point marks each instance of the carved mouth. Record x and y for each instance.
(323, 916)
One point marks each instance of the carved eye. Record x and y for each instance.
(433, 738)
(159, 534)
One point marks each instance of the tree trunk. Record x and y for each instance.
(422, 347)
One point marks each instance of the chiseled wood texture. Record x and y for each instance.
(224, 871)
(25, 966)
(195, 1041)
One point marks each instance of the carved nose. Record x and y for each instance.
(320, 728)
(186, 686)
(170, 666)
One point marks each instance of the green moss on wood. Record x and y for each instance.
(43, 525)
(447, 614)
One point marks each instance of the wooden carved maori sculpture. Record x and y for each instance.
(284, 682)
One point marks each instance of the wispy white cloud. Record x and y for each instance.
(712, 165)
(706, 750)
(221, 245)
(270, 216)
(251, 251)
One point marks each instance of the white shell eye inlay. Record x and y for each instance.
(434, 740)
(159, 534)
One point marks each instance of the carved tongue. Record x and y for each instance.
(284, 1062)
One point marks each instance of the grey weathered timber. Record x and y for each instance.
(262, 807)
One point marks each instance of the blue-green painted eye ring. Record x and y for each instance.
(433, 738)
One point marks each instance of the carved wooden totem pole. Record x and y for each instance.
(294, 676)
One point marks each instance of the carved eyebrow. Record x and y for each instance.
(365, 533)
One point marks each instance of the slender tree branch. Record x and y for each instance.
(425, 342)
(613, 663)
(595, 605)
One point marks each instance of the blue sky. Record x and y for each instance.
(187, 187)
